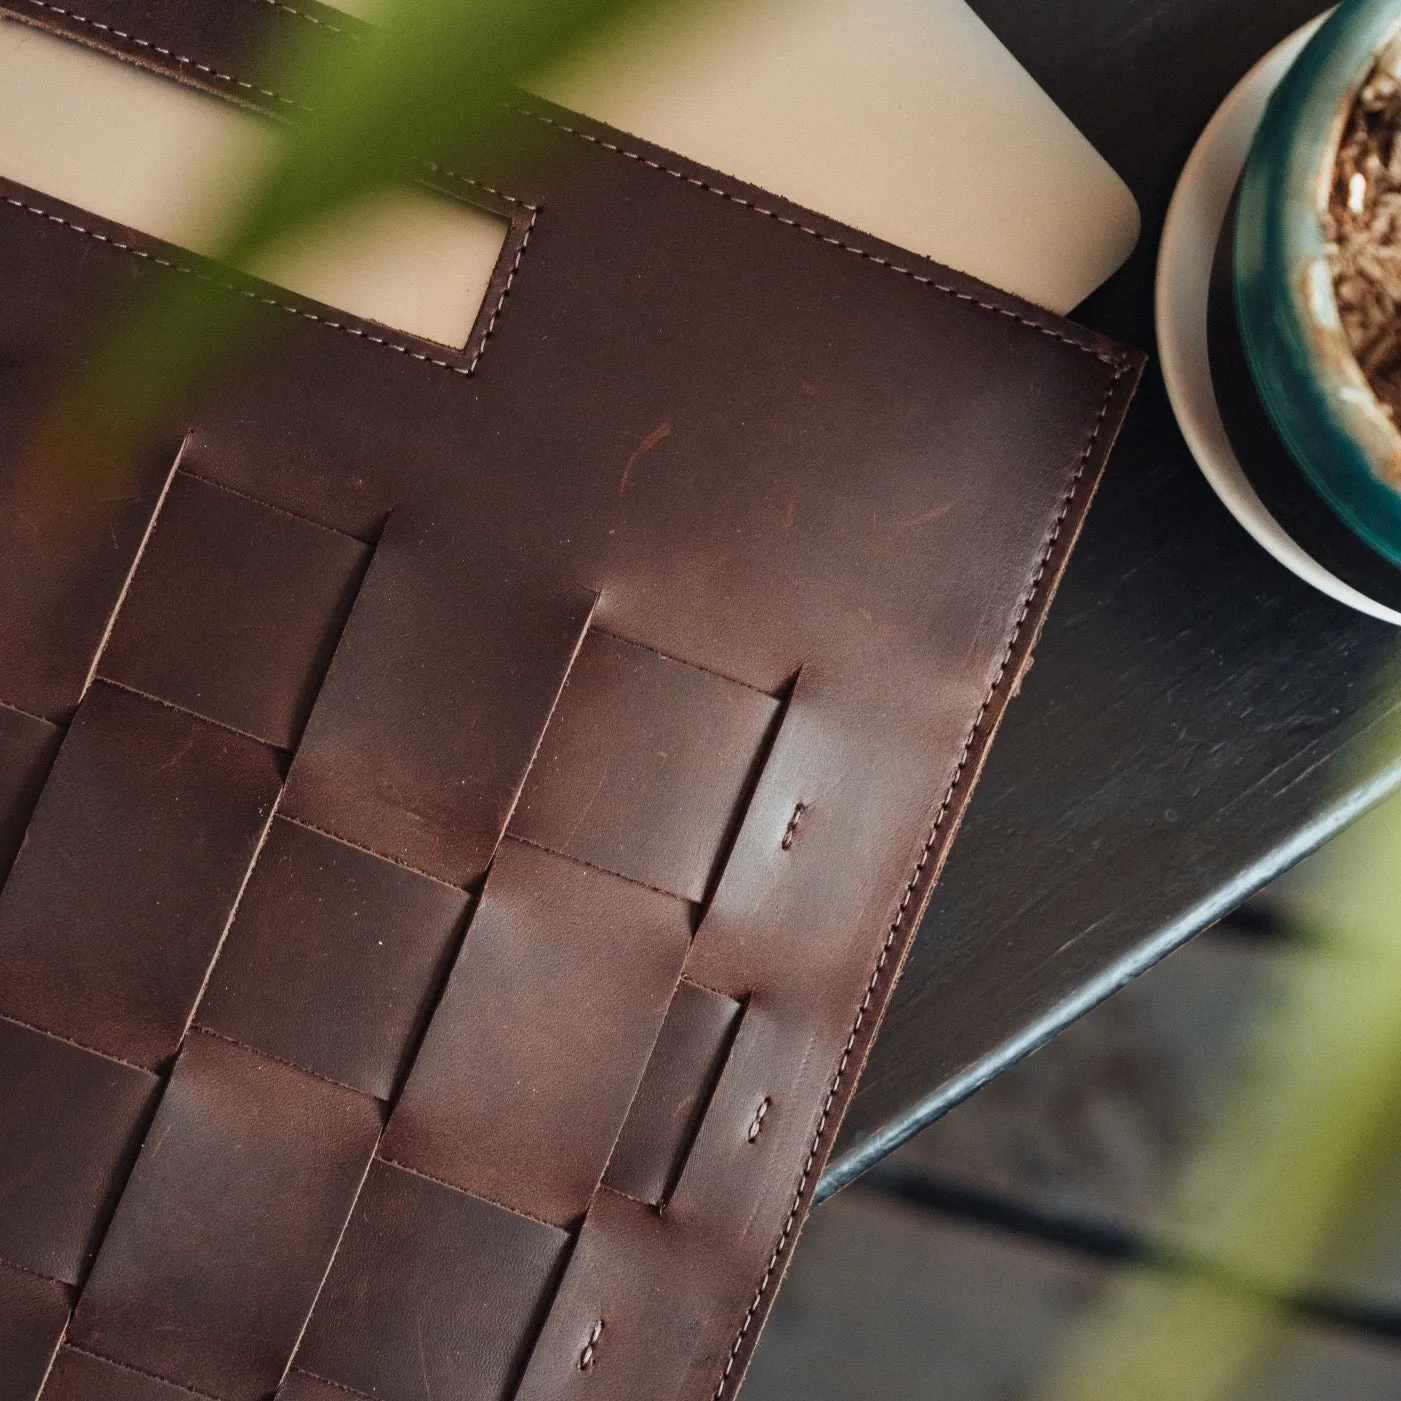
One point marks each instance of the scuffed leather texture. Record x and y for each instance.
(475, 801)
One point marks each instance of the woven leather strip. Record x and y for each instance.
(475, 802)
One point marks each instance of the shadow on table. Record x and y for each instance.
(1192, 1195)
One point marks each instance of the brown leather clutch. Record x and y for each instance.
(468, 808)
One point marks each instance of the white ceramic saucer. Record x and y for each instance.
(1185, 257)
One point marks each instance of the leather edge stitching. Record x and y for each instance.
(164, 52)
(1072, 490)
(1116, 362)
(303, 14)
(254, 296)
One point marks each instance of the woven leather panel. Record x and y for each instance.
(475, 803)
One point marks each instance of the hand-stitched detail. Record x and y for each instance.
(963, 761)
(587, 1356)
(1113, 361)
(756, 1126)
(677, 174)
(309, 18)
(174, 57)
(255, 296)
(897, 924)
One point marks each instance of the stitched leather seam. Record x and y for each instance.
(881, 261)
(897, 923)
(447, 174)
(254, 296)
(463, 1192)
(302, 14)
(199, 1026)
(204, 68)
(368, 851)
(505, 292)
(1119, 365)
(306, 1371)
(187, 61)
(77, 1045)
(165, 53)
(1111, 360)
(141, 1372)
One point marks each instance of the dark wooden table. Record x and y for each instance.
(1196, 719)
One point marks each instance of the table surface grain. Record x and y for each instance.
(1196, 718)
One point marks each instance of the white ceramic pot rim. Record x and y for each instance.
(1190, 236)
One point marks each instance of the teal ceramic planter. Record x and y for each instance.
(1316, 395)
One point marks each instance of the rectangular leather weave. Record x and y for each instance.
(468, 808)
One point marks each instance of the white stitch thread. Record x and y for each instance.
(466, 179)
(253, 87)
(1120, 367)
(302, 14)
(899, 919)
(757, 1124)
(597, 141)
(166, 53)
(818, 234)
(253, 296)
(586, 1358)
(607, 145)
(505, 291)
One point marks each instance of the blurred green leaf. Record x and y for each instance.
(429, 81)
(1291, 1161)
